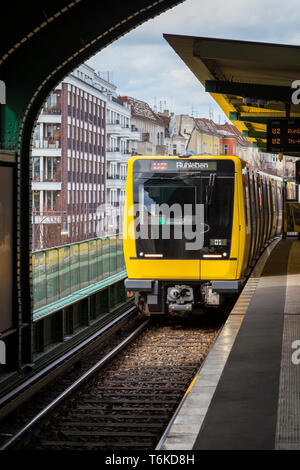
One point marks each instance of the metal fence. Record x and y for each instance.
(60, 271)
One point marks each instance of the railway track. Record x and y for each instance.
(20, 404)
(127, 404)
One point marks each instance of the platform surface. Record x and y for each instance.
(247, 393)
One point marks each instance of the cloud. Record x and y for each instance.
(145, 66)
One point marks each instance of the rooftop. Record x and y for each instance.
(141, 109)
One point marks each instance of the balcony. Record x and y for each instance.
(113, 128)
(54, 178)
(117, 156)
(47, 143)
(46, 185)
(55, 109)
(113, 177)
(50, 146)
(50, 114)
(115, 182)
(135, 134)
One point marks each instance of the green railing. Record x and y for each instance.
(60, 271)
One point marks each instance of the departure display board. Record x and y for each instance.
(283, 135)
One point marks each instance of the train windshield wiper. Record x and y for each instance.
(210, 188)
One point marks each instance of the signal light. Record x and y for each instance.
(297, 172)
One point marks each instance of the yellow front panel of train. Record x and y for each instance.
(163, 269)
(218, 270)
(192, 269)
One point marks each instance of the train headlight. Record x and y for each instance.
(224, 254)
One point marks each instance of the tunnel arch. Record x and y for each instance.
(43, 46)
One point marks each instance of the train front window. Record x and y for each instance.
(218, 213)
(182, 215)
(165, 203)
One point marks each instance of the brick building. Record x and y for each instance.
(80, 151)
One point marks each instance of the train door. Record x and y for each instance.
(265, 211)
(269, 209)
(252, 215)
(247, 254)
(257, 213)
(279, 207)
(261, 218)
(274, 208)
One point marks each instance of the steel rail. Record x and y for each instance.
(28, 387)
(57, 401)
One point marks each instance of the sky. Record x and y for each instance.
(143, 65)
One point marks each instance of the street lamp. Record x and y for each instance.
(64, 230)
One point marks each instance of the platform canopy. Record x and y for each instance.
(251, 81)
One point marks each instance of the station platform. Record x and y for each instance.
(247, 393)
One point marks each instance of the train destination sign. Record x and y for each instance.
(283, 135)
(174, 165)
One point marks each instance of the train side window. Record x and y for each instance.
(252, 204)
(263, 194)
(250, 200)
(274, 200)
(258, 211)
(279, 199)
(270, 197)
(270, 200)
(246, 199)
(260, 196)
(252, 217)
(257, 219)
(265, 199)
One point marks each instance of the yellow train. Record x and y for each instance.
(193, 228)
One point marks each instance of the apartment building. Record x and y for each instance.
(205, 138)
(148, 125)
(178, 129)
(80, 150)
(121, 138)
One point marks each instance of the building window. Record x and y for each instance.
(36, 169)
(52, 135)
(113, 170)
(50, 200)
(36, 200)
(225, 149)
(52, 169)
